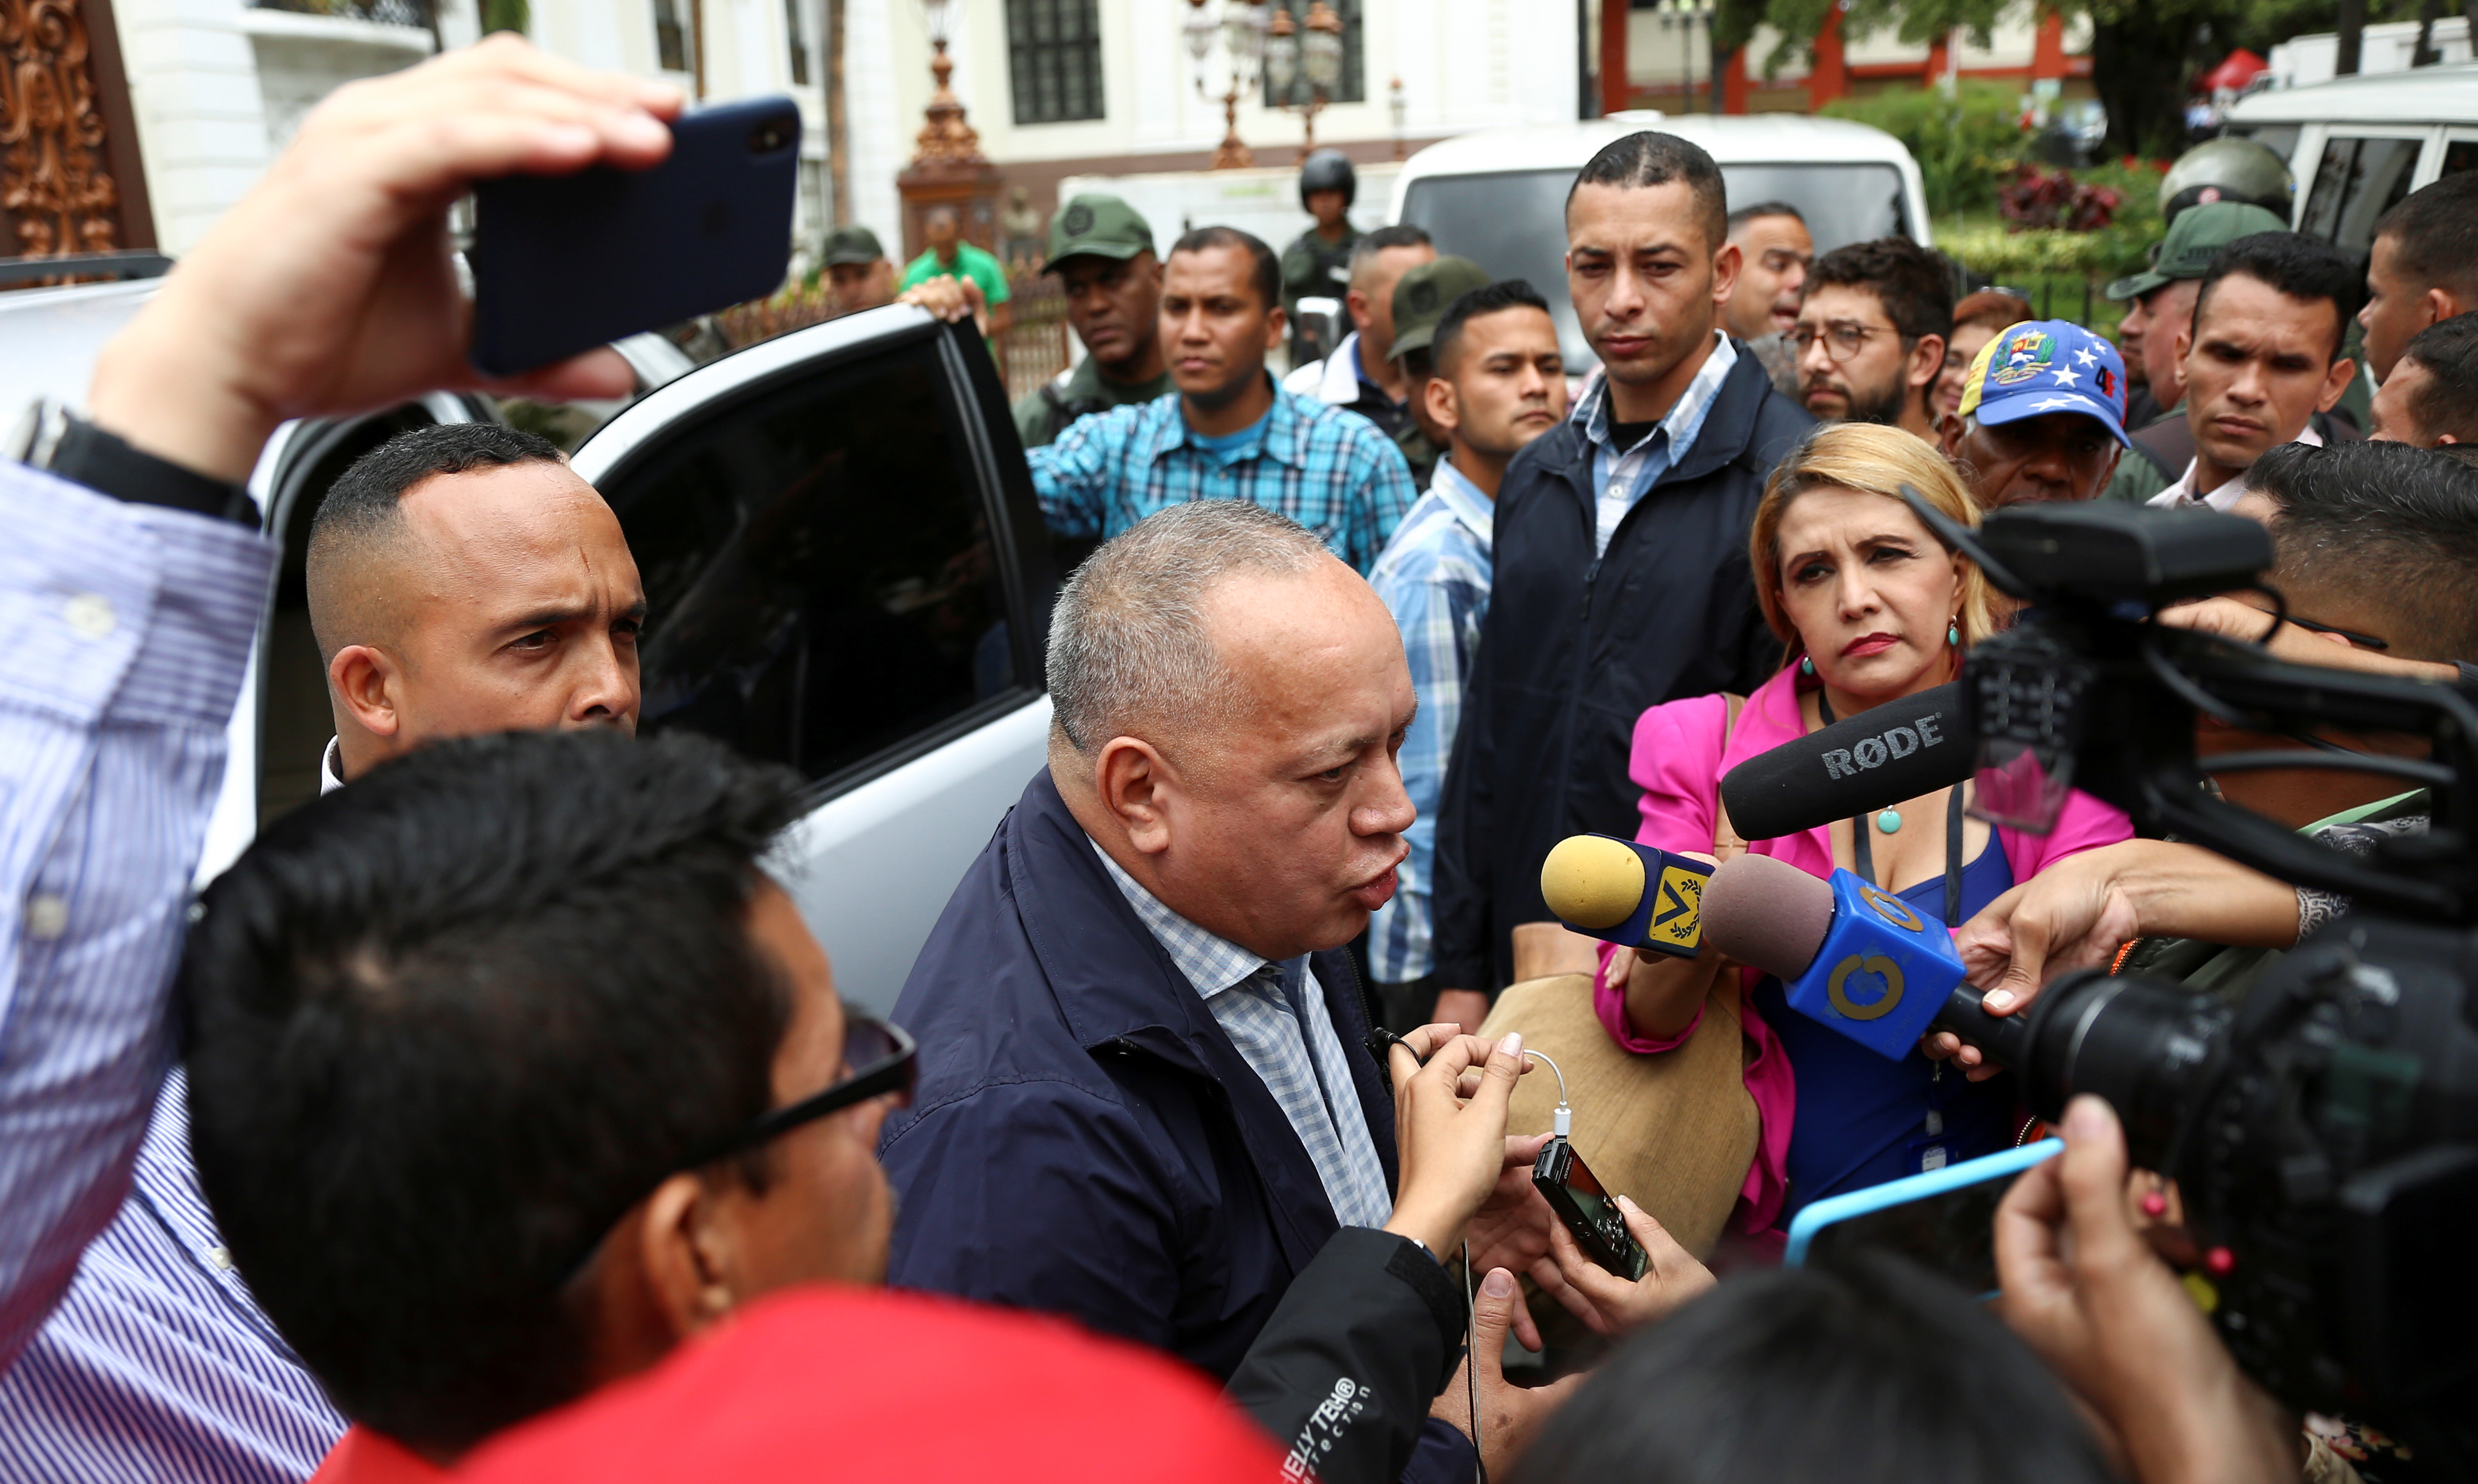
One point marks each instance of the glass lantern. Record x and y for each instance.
(1281, 56)
(1321, 49)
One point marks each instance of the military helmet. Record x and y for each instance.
(2228, 168)
(1329, 169)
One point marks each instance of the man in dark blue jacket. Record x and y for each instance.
(1145, 1098)
(1620, 549)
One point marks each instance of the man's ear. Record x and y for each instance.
(1277, 325)
(685, 1252)
(1132, 781)
(2336, 381)
(1356, 303)
(1949, 436)
(1445, 409)
(1726, 263)
(2442, 304)
(368, 685)
(1927, 360)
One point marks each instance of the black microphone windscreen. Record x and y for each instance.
(1882, 756)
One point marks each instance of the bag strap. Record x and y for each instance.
(1726, 842)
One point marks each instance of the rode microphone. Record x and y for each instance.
(1857, 959)
(1633, 895)
(1882, 756)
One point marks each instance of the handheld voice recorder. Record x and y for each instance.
(1590, 1213)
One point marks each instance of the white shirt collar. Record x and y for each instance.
(331, 766)
(1340, 384)
(2180, 495)
(1212, 963)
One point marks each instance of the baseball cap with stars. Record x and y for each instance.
(2046, 365)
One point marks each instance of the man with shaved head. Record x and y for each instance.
(464, 579)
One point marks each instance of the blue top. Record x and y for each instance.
(1862, 1120)
(1328, 470)
(1433, 577)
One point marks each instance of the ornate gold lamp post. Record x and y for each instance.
(947, 167)
(1241, 32)
(1309, 51)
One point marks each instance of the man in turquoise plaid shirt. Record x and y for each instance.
(1499, 383)
(1227, 432)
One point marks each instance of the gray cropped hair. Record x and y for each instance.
(1128, 640)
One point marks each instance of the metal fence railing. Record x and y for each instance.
(392, 12)
(1034, 349)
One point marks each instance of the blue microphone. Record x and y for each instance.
(1633, 895)
(1850, 956)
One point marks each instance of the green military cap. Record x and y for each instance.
(852, 244)
(1423, 296)
(1104, 226)
(2194, 238)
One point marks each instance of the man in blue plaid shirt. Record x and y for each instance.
(1227, 433)
(1499, 383)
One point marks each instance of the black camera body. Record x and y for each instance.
(2324, 1132)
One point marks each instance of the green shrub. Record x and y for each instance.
(1964, 144)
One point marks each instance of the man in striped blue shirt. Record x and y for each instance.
(1228, 433)
(130, 630)
(1499, 383)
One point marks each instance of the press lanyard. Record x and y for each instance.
(1862, 849)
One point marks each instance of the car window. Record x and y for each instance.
(1512, 223)
(821, 583)
(2460, 153)
(2356, 182)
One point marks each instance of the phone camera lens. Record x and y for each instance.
(768, 137)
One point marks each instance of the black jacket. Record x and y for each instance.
(1343, 1373)
(1084, 1139)
(1575, 648)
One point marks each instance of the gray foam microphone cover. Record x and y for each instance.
(1767, 913)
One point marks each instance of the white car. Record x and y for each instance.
(845, 564)
(2358, 144)
(1499, 196)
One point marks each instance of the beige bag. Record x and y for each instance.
(1675, 1131)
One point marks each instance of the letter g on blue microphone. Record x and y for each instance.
(1882, 973)
(1634, 896)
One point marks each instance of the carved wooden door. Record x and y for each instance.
(70, 176)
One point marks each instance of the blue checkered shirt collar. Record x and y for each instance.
(1282, 437)
(1685, 418)
(1212, 963)
(1474, 509)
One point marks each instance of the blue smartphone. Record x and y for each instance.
(1944, 1220)
(565, 262)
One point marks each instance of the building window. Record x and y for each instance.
(1353, 84)
(672, 40)
(798, 37)
(1054, 54)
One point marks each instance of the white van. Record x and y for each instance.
(1499, 196)
(2358, 144)
(845, 568)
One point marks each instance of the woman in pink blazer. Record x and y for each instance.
(1870, 607)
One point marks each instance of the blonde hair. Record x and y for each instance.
(1870, 458)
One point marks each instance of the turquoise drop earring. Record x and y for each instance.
(1806, 664)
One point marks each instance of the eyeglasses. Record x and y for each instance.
(885, 1059)
(884, 1055)
(1843, 339)
(2360, 641)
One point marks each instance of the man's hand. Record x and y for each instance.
(1510, 1416)
(1449, 1098)
(329, 288)
(2085, 1291)
(1465, 1009)
(2074, 915)
(951, 299)
(1511, 1228)
(2230, 618)
(1608, 1303)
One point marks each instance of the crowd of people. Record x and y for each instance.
(497, 1116)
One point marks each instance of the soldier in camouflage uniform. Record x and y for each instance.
(1318, 265)
(1104, 253)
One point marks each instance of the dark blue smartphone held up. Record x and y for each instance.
(563, 264)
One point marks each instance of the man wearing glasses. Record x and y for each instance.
(1870, 337)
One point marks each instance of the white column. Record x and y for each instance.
(201, 123)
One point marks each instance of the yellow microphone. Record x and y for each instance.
(1630, 894)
